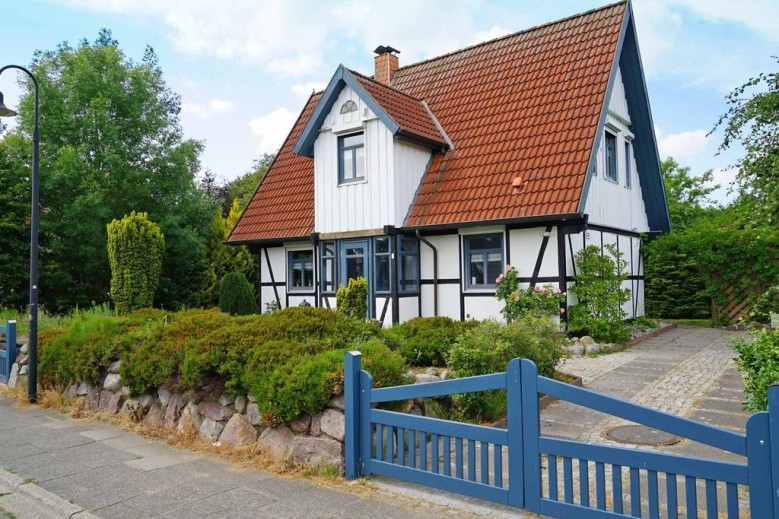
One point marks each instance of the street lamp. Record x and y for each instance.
(32, 371)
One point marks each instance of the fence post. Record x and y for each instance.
(352, 367)
(531, 430)
(365, 429)
(761, 499)
(514, 426)
(10, 347)
(773, 433)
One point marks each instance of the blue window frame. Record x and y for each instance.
(611, 157)
(382, 265)
(351, 158)
(300, 274)
(328, 281)
(408, 264)
(628, 163)
(483, 260)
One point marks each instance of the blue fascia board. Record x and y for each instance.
(342, 77)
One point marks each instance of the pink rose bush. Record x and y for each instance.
(538, 300)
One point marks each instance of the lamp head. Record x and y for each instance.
(4, 110)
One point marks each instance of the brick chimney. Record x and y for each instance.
(386, 61)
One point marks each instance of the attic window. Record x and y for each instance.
(349, 106)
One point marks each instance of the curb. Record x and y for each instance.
(650, 335)
(27, 500)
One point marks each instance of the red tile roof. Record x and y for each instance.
(525, 105)
(409, 112)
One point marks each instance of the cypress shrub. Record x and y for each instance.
(352, 300)
(135, 249)
(237, 296)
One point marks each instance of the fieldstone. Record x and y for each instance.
(70, 393)
(190, 420)
(114, 367)
(146, 401)
(251, 397)
(132, 409)
(240, 404)
(81, 402)
(22, 359)
(125, 391)
(432, 371)
(300, 424)
(155, 417)
(110, 402)
(409, 375)
(226, 399)
(316, 425)
(113, 381)
(592, 348)
(173, 410)
(192, 397)
(215, 411)
(337, 403)
(23, 370)
(238, 432)
(83, 389)
(314, 451)
(276, 441)
(415, 410)
(445, 374)
(423, 378)
(575, 349)
(333, 424)
(13, 377)
(210, 430)
(23, 347)
(93, 398)
(165, 395)
(253, 414)
(587, 340)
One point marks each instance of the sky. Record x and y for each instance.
(245, 68)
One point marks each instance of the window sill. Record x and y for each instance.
(301, 291)
(344, 183)
(479, 290)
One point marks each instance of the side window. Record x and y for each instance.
(301, 271)
(628, 163)
(351, 158)
(483, 260)
(382, 264)
(328, 267)
(611, 157)
(408, 256)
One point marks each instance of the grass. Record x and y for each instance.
(47, 320)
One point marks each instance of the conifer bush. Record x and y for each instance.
(352, 300)
(237, 295)
(135, 249)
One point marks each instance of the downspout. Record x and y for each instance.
(435, 272)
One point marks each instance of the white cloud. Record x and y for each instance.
(490, 34)
(214, 106)
(682, 144)
(273, 128)
(761, 16)
(305, 89)
(726, 179)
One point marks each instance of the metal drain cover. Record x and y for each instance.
(641, 435)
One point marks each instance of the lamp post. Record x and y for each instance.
(32, 372)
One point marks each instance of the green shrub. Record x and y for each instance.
(765, 305)
(237, 296)
(352, 300)
(539, 300)
(598, 286)
(675, 287)
(425, 341)
(135, 249)
(488, 348)
(758, 360)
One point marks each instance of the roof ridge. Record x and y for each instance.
(383, 85)
(513, 34)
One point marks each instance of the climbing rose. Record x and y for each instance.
(556, 290)
(546, 291)
(562, 311)
(499, 278)
(516, 297)
(538, 289)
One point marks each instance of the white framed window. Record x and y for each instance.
(610, 166)
(628, 163)
(351, 158)
(300, 270)
(483, 260)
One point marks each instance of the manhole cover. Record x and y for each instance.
(641, 435)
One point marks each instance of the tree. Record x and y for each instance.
(753, 120)
(237, 297)
(15, 170)
(112, 143)
(243, 187)
(135, 250)
(688, 196)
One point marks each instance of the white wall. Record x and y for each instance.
(408, 308)
(393, 171)
(609, 203)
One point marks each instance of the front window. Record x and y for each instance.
(301, 271)
(351, 158)
(382, 264)
(611, 157)
(328, 267)
(483, 260)
(408, 254)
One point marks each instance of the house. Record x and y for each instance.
(428, 179)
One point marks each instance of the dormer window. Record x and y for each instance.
(351, 158)
(349, 106)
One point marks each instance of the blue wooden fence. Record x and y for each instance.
(507, 466)
(8, 356)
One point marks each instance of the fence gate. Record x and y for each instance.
(7, 350)
(517, 466)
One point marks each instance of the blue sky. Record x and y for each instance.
(244, 68)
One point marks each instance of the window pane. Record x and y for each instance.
(494, 266)
(302, 254)
(611, 156)
(477, 269)
(628, 164)
(297, 275)
(408, 245)
(308, 274)
(408, 274)
(382, 245)
(382, 273)
(353, 140)
(489, 241)
(355, 251)
(348, 165)
(359, 163)
(328, 249)
(355, 268)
